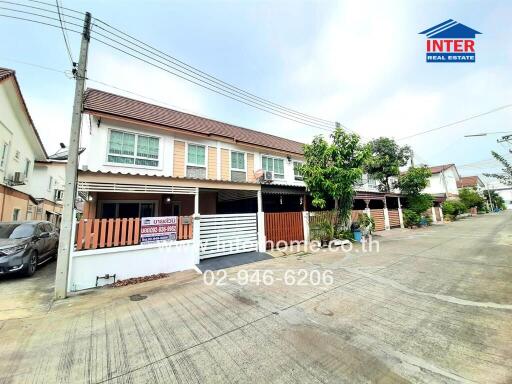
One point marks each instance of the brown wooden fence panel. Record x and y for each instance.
(394, 218)
(103, 233)
(284, 227)
(378, 217)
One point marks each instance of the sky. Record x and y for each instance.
(361, 63)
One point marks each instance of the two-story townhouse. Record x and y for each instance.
(471, 182)
(22, 156)
(129, 141)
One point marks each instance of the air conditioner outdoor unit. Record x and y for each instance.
(268, 175)
(19, 178)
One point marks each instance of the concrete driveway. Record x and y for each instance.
(434, 305)
(22, 297)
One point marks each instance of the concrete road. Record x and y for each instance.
(434, 305)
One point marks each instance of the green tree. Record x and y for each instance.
(495, 198)
(331, 169)
(506, 176)
(414, 180)
(470, 198)
(411, 184)
(385, 161)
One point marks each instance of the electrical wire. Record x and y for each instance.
(458, 122)
(64, 34)
(211, 81)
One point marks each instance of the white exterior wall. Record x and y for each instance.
(40, 183)
(128, 262)
(443, 182)
(16, 131)
(95, 140)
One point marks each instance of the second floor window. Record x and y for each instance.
(130, 148)
(196, 161)
(3, 159)
(296, 170)
(27, 168)
(274, 165)
(238, 166)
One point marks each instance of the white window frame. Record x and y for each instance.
(187, 164)
(26, 170)
(231, 169)
(276, 158)
(301, 178)
(3, 159)
(244, 169)
(137, 134)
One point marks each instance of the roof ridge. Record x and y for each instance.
(185, 115)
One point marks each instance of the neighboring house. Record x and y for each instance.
(21, 156)
(443, 182)
(471, 182)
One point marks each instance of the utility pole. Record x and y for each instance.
(65, 240)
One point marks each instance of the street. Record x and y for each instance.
(433, 305)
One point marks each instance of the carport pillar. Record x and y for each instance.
(196, 227)
(262, 246)
(367, 209)
(441, 218)
(434, 218)
(400, 216)
(305, 226)
(387, 226)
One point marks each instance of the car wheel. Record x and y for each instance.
(32, 264)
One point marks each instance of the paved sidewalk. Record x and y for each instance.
(434, 305)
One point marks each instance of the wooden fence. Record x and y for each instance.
(394, 218)
(107, 233)
(283, 226)
(378, 217)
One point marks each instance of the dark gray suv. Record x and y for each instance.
(25, 245)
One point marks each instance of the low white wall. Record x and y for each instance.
(129, 261)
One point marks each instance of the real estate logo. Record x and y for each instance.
(450, 42)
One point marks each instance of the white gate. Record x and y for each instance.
(222, 235)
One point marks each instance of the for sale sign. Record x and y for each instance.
(155, 229)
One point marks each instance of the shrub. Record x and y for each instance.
(470, 198)
(420, 203)
(344, 234)
(366, 222)
(452, 208)
(411, 218)
(323, 231)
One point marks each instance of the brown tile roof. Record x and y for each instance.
(440, 168)
(6, 73)
(120, 106)
(468, 181)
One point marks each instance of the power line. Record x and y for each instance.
(253, 101)
(64, 34)
(458, 122)
(188, 67)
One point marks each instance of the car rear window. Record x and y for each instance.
(16, 231)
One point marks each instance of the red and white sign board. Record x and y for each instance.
(155, 229)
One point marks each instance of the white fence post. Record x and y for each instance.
(400, 215)
(387, 226)
(262, 240)
(196, 236)
(434, 218)
(441, 214)
(305, 225)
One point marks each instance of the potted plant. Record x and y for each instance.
(366, 223)
(325, 232)
(356, 230)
